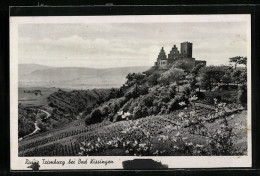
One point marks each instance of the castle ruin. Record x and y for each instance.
(185, 55)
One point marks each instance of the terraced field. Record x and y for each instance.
(66, 141)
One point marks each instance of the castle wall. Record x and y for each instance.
(200, 62)
(163, 63)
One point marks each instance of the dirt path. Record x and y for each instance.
(36, 126)
(47, 113)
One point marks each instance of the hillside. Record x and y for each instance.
(166, 112)
(24, 69)
(63, 106)
(74, 77)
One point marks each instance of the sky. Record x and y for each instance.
(106, 45)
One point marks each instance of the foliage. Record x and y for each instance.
(137, 113)
(152, 79)
(114, 93)
(238, 60)
(172, 75)
(26, 119)
(135, 78)
(242, 95)
(137, 139)
(67, 105)
(221, 95)
(210, 75)
(43, 127)
(25, 126)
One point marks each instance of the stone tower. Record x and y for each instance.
(162, 55)
(162, 59)
(186, 49)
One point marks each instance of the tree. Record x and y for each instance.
(238, 60)
(148, 100)
(152, 79)
(172, 75)
(137, 113)
(196, 69)
(96, 116)
(226, 79)
(172, 91)
(238, 76)
(113, 93)
(210, 75)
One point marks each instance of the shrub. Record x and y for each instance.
(186, 90)
(88, 120)
(148, 100)
(25, 126)
(137, 113)
(43, 127)
(105, 110)
(143, 89)
(94, 117)
(242, 95)
(173, 91)
(152, 79)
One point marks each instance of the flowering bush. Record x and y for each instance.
(187, 131)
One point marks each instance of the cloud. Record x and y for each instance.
(123, 44)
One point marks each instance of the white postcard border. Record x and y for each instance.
(19, 163)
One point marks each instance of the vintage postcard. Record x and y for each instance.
(130, 92)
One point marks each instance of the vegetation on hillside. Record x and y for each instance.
(67, 105)
(162, 112)
(157, 91)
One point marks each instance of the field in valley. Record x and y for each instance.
(27, 96)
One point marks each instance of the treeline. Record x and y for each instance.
(157, 91)
(67, 105)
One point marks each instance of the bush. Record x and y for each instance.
(152, 79)
(242, 95)
(200, 95)
(95, 117)
(148, 100)
(173, 91)
(25, 126)
(88, 120)
(173, 105)
(43, 127)
(224, 96)
(186, 90)
(143, 89)
(137, 113)
(105, 110)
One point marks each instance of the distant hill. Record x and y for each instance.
(74, 77)
(25, 69)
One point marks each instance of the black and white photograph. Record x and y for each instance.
(91, 92)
